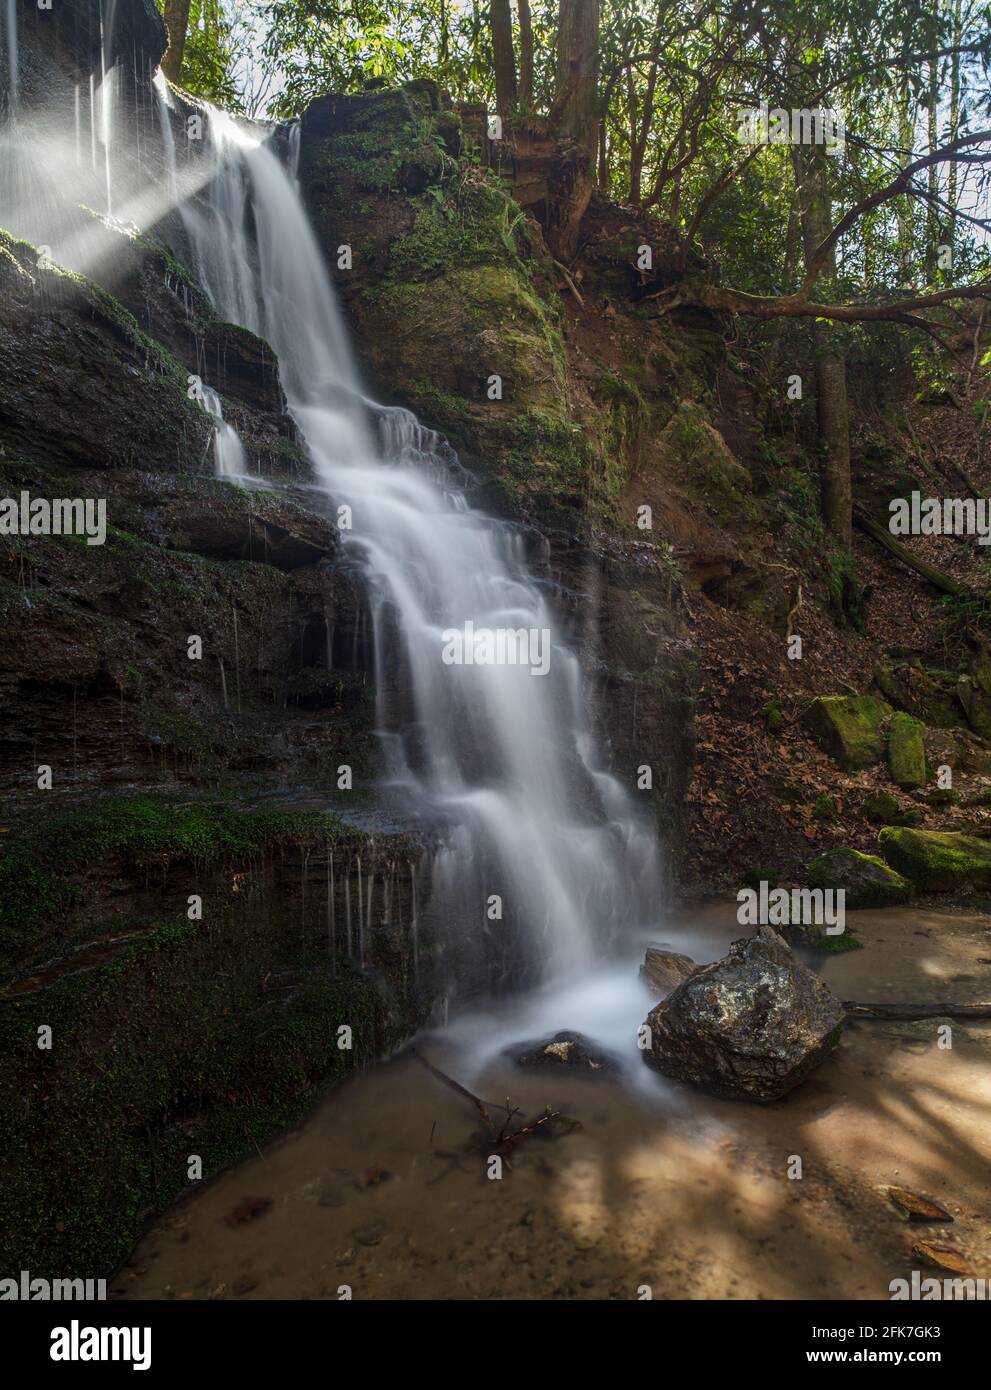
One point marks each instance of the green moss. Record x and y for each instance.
(906, 751)
(774, 717)
(865, 879)
(697, 457)
(753, 878)
(849, 728)
(824, 809)
(164, 1052)
(938, 861)
(880, 807)
(836, 945)
(38, 860)
(943, 796)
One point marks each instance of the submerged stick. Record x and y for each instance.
(456, 1086)
(910, 1011)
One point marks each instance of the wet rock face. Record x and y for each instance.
(750, 1026)
(662, 971)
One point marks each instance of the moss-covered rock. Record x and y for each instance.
(774, 717)
(881, 808)
(866, 880)
(850, 728)
(906, 751)
(927, 693)
(938, 861)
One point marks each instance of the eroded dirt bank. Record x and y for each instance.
(381, 1191)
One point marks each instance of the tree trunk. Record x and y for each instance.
(176, 21)
(576, 115)
(503, 57)
(830, 365)
(526, 53)
(951, 196)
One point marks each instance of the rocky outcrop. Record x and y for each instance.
(204, 970)
(751, 1026)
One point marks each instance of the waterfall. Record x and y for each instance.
(10, 43)
(500, 755)
(228, 451)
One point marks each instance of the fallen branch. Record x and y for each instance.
(910, 1011)
(569, 281)
(457, 1086)
(503, 1138)
(939, 578)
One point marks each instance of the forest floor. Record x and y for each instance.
(382, 1191)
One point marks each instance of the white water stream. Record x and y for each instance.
(499, 754)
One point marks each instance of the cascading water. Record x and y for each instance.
(499, 754)
(228, 451)
(10, 43)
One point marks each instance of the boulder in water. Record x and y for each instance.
(564, 1051)
(750, 1026)
(663, 970)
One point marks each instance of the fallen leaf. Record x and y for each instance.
(914, 1207)
(942, 1256)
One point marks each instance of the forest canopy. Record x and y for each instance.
(684, 109)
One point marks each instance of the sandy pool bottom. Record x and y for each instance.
(384, 1192)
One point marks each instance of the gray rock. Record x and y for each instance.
(663, 970)
(749, 1026)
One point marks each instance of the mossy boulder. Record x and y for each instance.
(866, 880)
(906, 751)
(850, 728)
(927, 693)
(881, 808)
(938, 861)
